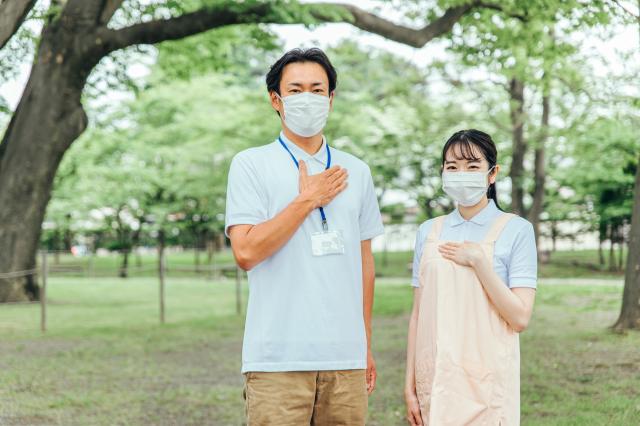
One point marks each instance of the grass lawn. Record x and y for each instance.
(106, 360)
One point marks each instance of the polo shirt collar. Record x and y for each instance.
(483, 217)
(299, 153)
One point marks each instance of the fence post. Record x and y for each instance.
(43, 293)
(238, 290)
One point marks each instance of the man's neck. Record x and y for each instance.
(309, 145)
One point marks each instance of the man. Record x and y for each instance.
(301, 216)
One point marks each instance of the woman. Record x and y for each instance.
(475, 277)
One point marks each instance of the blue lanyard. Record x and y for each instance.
(325, 227)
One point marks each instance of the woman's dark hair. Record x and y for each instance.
(301, 55)
(466, 141)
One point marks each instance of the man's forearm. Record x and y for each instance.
(368, 284)
(264, 239)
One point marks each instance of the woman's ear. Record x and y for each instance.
(494, 174)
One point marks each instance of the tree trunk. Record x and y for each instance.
(124, 266)
(210, 253)
(197, 250)
(601, 239)
(57, 247)
(516, 94)
(612, 253)
(620, 255)
(630, 312)
(47, 120)
(135, 243)
(539, 170)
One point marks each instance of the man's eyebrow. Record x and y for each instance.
(297, 84)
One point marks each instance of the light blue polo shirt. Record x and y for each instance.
(515, 254)
(304, 312)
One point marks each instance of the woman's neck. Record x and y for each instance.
(467, 212)
(310, 145)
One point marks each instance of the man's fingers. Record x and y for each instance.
(371, 375)
(332, 170)
(340, 188)
(303, 168)
(337, 177)
(372, 380)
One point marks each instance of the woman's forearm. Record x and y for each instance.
(512, 308)
(410, 378)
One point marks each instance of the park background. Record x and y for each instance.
(120, 119)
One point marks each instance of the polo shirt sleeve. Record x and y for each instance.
(370, 217)
(421, 236)
(246, 198)
(523, 262)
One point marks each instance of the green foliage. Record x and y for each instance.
(217, 51)
(604, 167)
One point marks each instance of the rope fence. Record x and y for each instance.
(44, 270)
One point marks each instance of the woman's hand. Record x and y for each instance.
(465, 254)
(414, 417)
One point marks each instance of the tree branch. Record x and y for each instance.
(109, 9)
(500, 8)
(627, 11)
(188, 24)
(413, 37)
(217, 16)
(12, 14)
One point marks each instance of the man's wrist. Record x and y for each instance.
(304, 203)
(409, 392)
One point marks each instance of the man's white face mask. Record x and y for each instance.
(466, 188)
(306, 113)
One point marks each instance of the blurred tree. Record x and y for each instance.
(76, 36)
(630, 311)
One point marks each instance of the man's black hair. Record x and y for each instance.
(301, 55)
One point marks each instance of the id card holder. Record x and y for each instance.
(325, 243)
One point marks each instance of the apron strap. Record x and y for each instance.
(436, 228)
(497, 227)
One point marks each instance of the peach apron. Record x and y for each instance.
(467, 357)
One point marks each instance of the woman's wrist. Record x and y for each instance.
(477, 260)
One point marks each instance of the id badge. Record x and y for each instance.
(327, 242)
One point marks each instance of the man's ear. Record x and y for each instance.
(331, 96)
(275, 101)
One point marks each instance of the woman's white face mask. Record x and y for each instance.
(466, 188)
(306, 113)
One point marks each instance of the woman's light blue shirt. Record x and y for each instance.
(515, 255)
